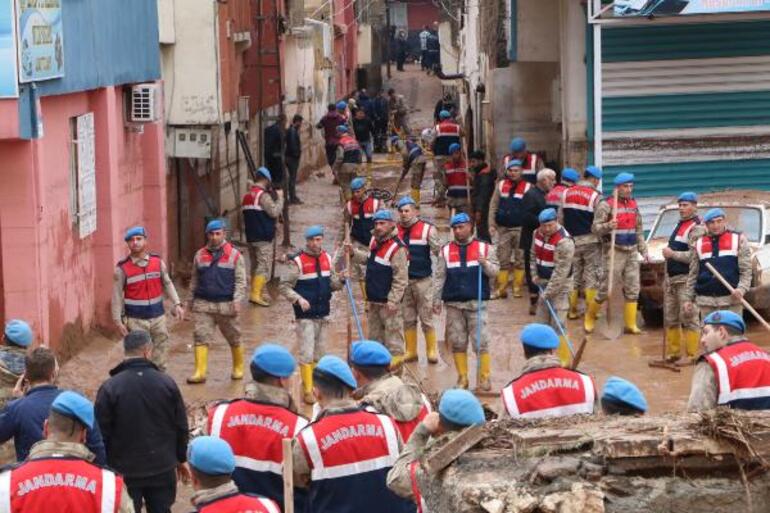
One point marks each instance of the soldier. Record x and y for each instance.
(257, 445)
(16, 340)
(629, 242)
(530, 162)
(577, 216)
(732, 371)
(381, 390)
(422, 241)
(261, 207)
(678, 323)
(37, 484)
(457, 410)
(551, 259)
(219, 285)
(555, 196)
(347, 161)
(532, 204)
(414, 161)
(505, 220)
(139, 282)
(308, 286)
(446, 133)
(621, 397)
(456, 284)
(458, 180)
(545, 388)
(728, 251)
(358, 217)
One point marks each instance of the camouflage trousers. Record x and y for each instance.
(310, 336)
(462, 327)
(560, 305)
(587, 266)
(418, 303)
(386, 328)
(345, 174)
(627, 266)
(208, 316)
(158, 331)
(418, 172)
(508, 246)
(705, 309)
(260, 258)
(458, 205)
(674, 297)
(358, 271)
(439, 178)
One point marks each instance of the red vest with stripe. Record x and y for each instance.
(742, 370)
(314, 284)
(239, 503)
(545, 252)
(447, 133)
(550, 392)
(555, 196)
(216, 273)
(462, 271)
(721, 251)
(379, 269)
(625, 234)
(143, 290)
(578, 209)
(680, 241)
(416, 238)
(528, 166)
(456, 178)
(406, 428)
(351, 150)
(418, 500)
(361, 215)
(257, 224)
(509, 209)
(61, 485)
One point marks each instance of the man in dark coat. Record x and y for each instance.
(293, 157)
(273, 142)
(481, 194)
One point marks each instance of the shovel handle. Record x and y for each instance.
(745, 303)
(612, 242)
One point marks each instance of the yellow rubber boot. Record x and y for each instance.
(502, 284)
(691, 342)
(518, 282)
(257, 285)
(416, 195)
(565, 357)
(362, 284)
(629, 316)
(461, 364)
(410, 340)
(431, 345)
(368, 174)
(306, 373)
(201, 365)
(237, 353)
(485, 370)
(573, 303)
(592, 311)
(673, 342)
(396, 362)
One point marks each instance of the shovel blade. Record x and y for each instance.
(611, 324)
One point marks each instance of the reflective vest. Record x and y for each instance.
(680, 241)
(447, 133)
(418, 500)
(259, 226)
(578, 209)
(555, 196)
(361, 215)
(143, 289)
(625, 234)
(551, 392)
(379, 269)
(528, 166)
(416, 240)
(721, 251)
(742, 370)
(65, 484)
(349, 454)
(351, 150)
(406, 428)
(254, 431)
(314, 284)
(462, 271)
(456, 178)
(239, 503)
(216, 273)
(509, 212)
(545, 252)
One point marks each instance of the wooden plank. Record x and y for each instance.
(453, 449)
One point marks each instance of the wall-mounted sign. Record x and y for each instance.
(675, 7)
(9, 81)
(41, 42)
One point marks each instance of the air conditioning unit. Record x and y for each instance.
(145, 103)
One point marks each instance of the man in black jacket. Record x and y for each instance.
(481, 194)
(144, 425)
(293, 155)
(274, 135)
(532, 204)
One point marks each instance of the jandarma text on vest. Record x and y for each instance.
(346, 432)
(47, 480)
(250, 419)
(748, 356)
(542, 384)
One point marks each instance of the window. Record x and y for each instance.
(83, 174)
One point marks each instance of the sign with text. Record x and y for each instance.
(41, 42)
(676, 7)
(9, 81)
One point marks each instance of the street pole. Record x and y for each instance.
(387, 38)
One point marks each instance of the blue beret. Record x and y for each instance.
(405, 200)
(75, 406)
(444, 114)
(513, 163)
(134, 231)
(454, 147)
(342, 105)
(623, 391)
(314, 231)
(518, 144)
(713, 214)
(460, 218)
(274, 360)
(549, 214)
(334, 366)
(594, 171)
(383, 215)
(342, 129)
(265, 173)
(726, 318)
(18, 332)
(461, 407)
(570, 175)
(540, 336)
(623, 178)
(357, 183)
(215, 224)
(369, 352)
(688, 196)
(211, 455)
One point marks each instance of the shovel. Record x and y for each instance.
(611, 326)
(745, 303)
(663, 363)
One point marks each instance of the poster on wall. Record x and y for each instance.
(676, 7)
(41, 43)
(9, 86)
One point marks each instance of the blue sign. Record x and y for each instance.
(675, 7)
(9, 86)
(41, 42)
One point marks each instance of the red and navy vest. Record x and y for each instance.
(351, 150)
(314, 284)
(447, 133)
(143, 290)
(61, 485)
(680, 241)
(742, 372)
(625, 234)
(456, 178)
(528, 166)
(379, 268)
(216, 273)
(350, 454)
(259, 226)
(416, 239)
(406, 428)
(555, 196)
(509, 212)
(578, 209)
(362, 218)
(418, 500)
(545, 252)
(462, 271)
(239, 503)
(551, 392)
(255, 431)
(721, 251)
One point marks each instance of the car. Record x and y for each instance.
(747, 212)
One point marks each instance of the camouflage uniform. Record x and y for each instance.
(508, 239)
(675, 288)
(418, 298)
(587, 264)
(345, 172)
(439, 178)
(704, 388)
(261, 252)
(207, 495)
(11, 369)
(391, 396)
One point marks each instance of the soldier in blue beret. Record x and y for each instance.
(16, 340)
(348, 160)
(531, 163)
(448, 137)
(413, 160)
(621, 397)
